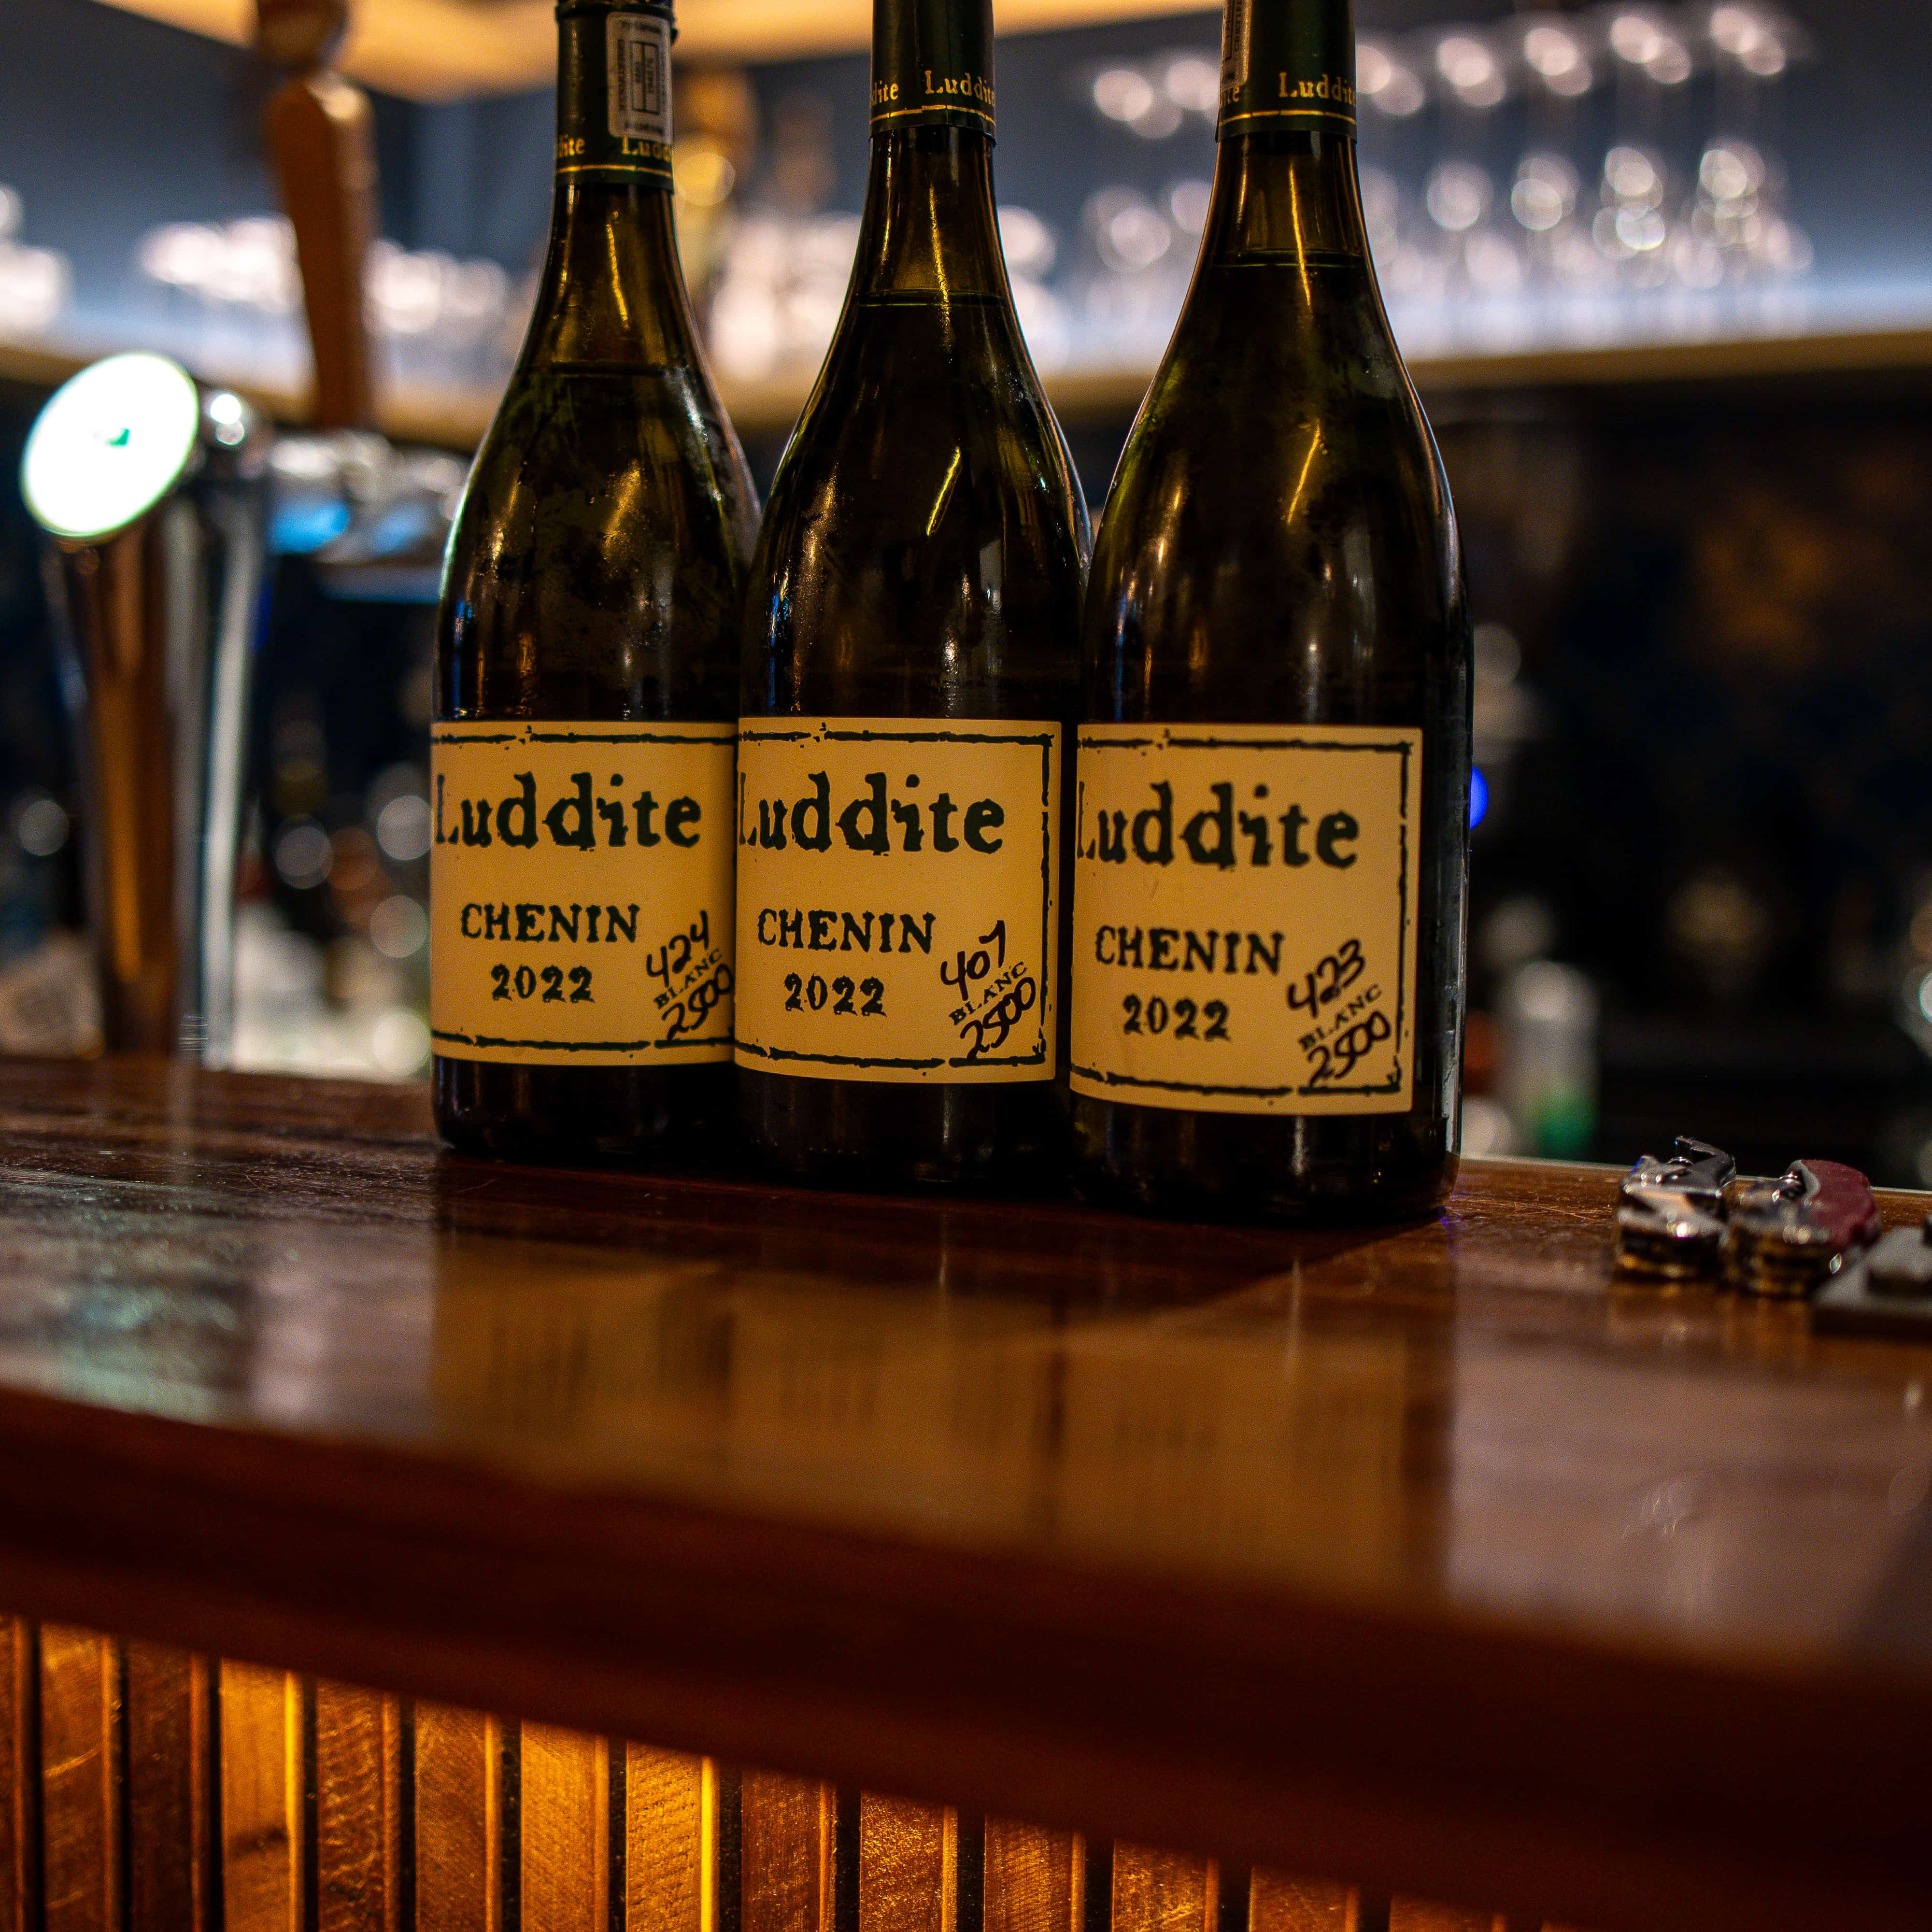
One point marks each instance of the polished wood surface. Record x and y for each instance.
(1423, 1558)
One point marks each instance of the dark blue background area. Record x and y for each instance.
(110, 123)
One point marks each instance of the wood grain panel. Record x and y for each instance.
(79, 1780)
(357, 1800)
(786, 1857)
(146, 1709)
(261, 1799)
(20, 1778)
(908, 1866)
(1035, 1878)
(670, 1832)
(459, 1820)
(1417, 1915)
(1163, 1891)
(1039, 1529)
(166, 1713)
(1277, 1903)
(565, 1816)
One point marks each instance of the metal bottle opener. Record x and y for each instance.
(1670, 1214)
(1887, 1290)
(1787, 1237)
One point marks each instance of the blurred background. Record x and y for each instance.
(1662, 272)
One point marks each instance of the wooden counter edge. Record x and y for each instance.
(1639, 1791)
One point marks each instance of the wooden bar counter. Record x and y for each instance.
(1424, 1562)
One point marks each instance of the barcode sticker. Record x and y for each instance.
(1233, 51)
(640, 66)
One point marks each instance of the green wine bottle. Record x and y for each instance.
(911, 682)
(1271, 824)
(581, 758)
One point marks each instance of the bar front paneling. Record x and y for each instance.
(80, 1790)
(171, 1793)
(166, 1713)
(262, 1836)
(355, 1787)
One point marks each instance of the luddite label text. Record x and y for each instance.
(897, 891)
(1244, 917)
(581, 911)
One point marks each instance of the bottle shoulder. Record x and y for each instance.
(597, 562)
(925, 544)
(928, 437)
(1278, 421)
(932, 389)
(619, 456)
(1279, 540)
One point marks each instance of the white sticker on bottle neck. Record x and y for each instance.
(639, 68)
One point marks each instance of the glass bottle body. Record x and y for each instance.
(596, 575)
(921, 559)
(1279, 548)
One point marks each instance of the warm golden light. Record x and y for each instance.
(153, 1766)
(444, 49)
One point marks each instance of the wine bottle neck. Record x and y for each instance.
(611, 289)
(1285, 195)
(929, 225)
(1285, 187)
(1288, 63)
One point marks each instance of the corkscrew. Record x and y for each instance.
(1691, 1216)
(1670, 1214)
(1786, 1237)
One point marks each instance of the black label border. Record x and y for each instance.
(939, 735)
(486, 1040)
(1301, 742)
(457, 731)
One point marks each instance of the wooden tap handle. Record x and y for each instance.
(300, 34)
(321, 136)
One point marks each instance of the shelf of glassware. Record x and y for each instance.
(1089, 393)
